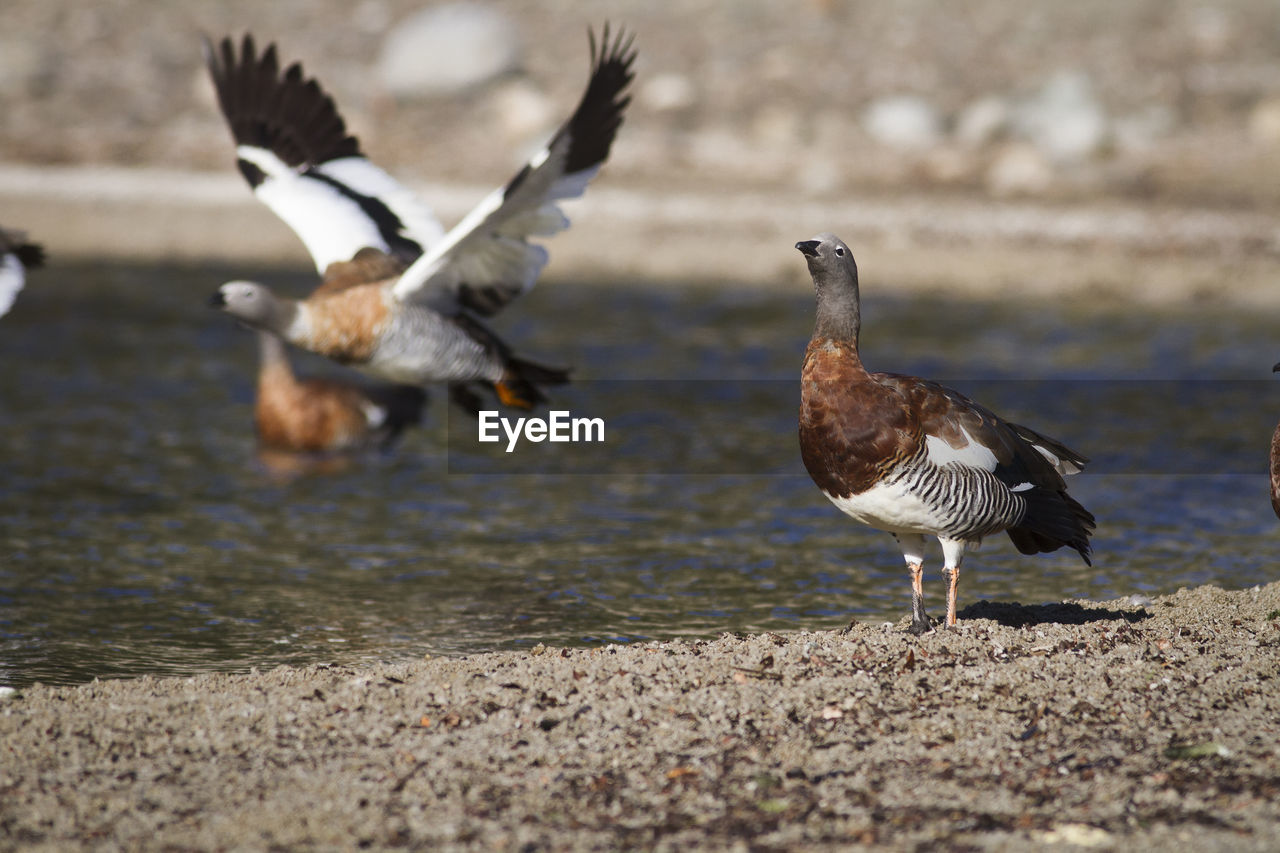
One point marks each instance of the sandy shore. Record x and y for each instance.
(1082, 725)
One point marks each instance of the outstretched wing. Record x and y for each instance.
(294, 150)
(487, 260)
(16, 257)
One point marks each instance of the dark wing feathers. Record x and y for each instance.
(943, 412)
(1053, 519)
(13, 241)
(30, 254)
(594, 124)
(1074, 462)
(286, 114)
(488, 259)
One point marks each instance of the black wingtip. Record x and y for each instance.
(623, 50)
(30, 254)
(595, 122)
(287, 114)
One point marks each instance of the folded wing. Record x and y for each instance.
(960, 433)
(958, 430)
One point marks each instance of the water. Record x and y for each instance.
(140, 533)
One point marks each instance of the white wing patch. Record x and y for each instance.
(416, 216)
(12, 278)
(374, 414)
(331, 224)
(1063, 466)
(488, 246)
(972, 454)
(478, 257)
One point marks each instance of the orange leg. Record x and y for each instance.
(952, 555)
(510, 397)
(919, 619)
(953, 587)
(913, 552)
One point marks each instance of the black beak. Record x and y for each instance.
(808, 248)
(1275, 368)
(217, 300)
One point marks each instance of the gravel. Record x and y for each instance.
(1103, 725)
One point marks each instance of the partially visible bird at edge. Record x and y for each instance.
(1275, 462)
(17, 255)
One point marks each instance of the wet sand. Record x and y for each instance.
(1078, 725)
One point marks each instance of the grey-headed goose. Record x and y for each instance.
(916, 459)
(17, 255)
(401, 298)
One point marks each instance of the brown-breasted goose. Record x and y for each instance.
(916, 459)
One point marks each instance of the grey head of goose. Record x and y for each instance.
(255, 305)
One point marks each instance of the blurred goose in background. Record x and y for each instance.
(401, 298)
(17, 255)
(916, 459)
(325, 415)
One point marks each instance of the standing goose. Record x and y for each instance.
(915, 459)
(400, 298)
(17, 255)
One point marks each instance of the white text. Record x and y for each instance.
(557, 427)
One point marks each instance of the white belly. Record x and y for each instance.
(890, 507)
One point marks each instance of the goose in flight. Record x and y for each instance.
(401, 298)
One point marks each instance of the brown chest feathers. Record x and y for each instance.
(852, 429)
(345, 325)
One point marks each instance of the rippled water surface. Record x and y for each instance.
(141, 533)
